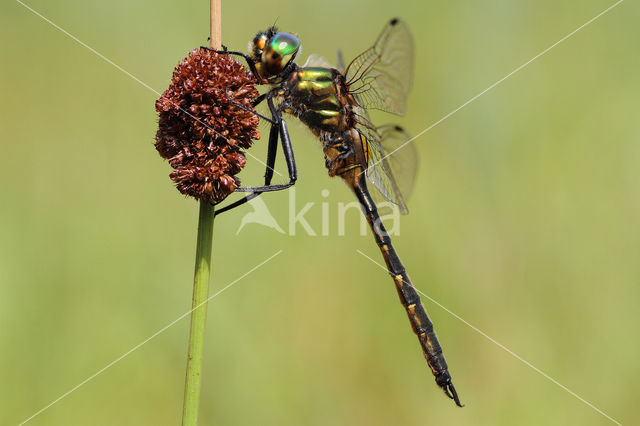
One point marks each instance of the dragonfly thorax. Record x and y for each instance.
(319, 97)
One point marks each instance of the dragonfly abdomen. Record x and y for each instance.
(343, 154)
(421, 325)
(420, 322)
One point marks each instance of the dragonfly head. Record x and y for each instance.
(273, 53)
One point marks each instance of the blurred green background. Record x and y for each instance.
(524, 222)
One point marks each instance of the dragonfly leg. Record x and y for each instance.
(259, 100)
(287, 149)
(278, 129)
(268, 174)
(250, 62)
(254, 104)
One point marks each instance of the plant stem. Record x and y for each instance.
(201, 278)
(198, 315)
(215, 30)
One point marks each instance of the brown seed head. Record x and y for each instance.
(200, 131)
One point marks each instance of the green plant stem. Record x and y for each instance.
(198, 315)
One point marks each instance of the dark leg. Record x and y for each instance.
(278, 127)
(259, 100)
(268, 174)
(271, 155)
(286, 148)
(254, 104)
(249, 59)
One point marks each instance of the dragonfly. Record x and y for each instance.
(333, 103)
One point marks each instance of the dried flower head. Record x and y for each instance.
(200, 131)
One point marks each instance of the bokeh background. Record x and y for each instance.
(524, 222)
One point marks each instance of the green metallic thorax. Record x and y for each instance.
(315, 97)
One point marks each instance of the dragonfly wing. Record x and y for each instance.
(381, 77)
(340, 64)
(391, 165)
(402, 157)
(317, 61)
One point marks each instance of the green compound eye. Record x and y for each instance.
(285, 44)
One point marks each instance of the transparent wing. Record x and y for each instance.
(317, 61)
(382, 76)
(391, 162)
(340, 64)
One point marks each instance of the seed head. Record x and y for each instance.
(200, 131)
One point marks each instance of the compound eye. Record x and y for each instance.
(284, 44)
(278, 53)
